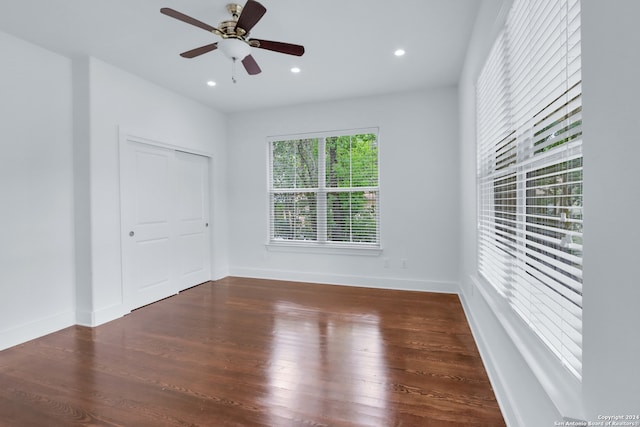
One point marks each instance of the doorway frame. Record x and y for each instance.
(125, 137)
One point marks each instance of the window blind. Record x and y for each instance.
(529, 117)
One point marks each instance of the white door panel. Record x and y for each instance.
(192, 248)
(153, 260)
(150, 185)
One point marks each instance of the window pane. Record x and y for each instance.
(554, 216)
(352, 217)
(294, 216)
(352, 161)
(505, 205)
(295, 164)
(364, 211)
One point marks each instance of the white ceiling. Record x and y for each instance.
(349, 45)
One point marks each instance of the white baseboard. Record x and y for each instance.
(35, 329)
(108, 314)
(349, 280)
(99, 317)
(84, 318)
(218, 274)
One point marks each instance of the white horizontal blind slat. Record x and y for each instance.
(529, 130)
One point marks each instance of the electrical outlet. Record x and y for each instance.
(385, 262)
(404, 262)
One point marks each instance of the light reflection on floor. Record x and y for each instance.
(325, 363)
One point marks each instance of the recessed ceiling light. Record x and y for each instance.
(295, 70)
(211, 83)
(399, 52)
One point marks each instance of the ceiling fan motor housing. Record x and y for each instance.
(230, 29)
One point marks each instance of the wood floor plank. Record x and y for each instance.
(248, 352)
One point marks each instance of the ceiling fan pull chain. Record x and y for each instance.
(233, 71)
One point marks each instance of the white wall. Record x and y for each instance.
(611, 321)
(611, 342)
(36, 192)
(119, 100)
(59, 173)
(418, 191)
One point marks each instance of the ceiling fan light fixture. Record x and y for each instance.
(234, 48)
(295, 70)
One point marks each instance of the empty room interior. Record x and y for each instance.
(396, 214)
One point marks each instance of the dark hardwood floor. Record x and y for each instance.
(246, 352)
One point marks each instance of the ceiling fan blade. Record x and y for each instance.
(252, 12)
(251, 65)
(189, 20)
(288, 48)
(199, 51)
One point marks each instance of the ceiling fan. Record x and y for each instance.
(235, 43)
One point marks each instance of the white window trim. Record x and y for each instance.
(563, 388)
(322, 246)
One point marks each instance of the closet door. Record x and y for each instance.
(193, 253)
(148, 270)
(165, 241)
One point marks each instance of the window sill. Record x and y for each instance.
(562, 387)
(323, 248)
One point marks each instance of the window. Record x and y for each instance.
(529, 113)
(323, 190)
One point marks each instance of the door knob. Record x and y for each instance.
(131, 233)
